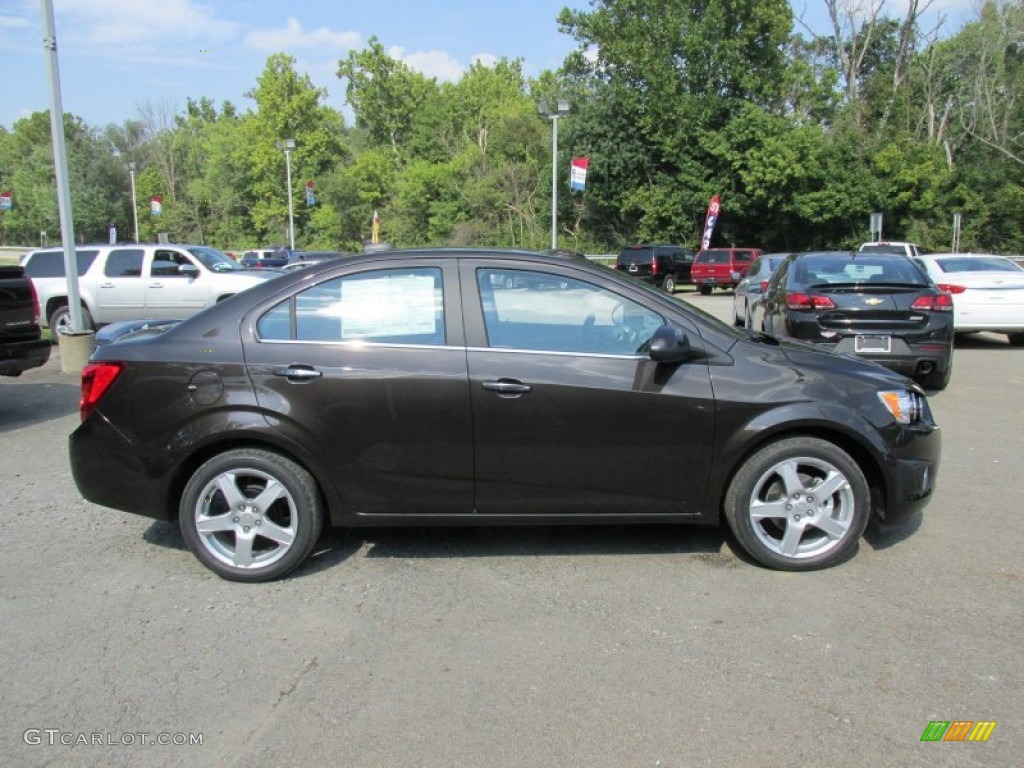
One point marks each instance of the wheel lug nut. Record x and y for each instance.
(810, 499)
(259, 522)
(245, 528)
(234, 519)
(789, 507)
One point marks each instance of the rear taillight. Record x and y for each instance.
(96, 380)
(941, 302)
(795, 300)
(654, 266)
(950, 288)
(36, 313)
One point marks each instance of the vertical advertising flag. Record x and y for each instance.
(5, 200)
(375, 232)
(709, 222)
(578, 173)
(310, 196)
(156, 205)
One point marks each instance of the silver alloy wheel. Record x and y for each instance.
(802, 507)
(246, 518)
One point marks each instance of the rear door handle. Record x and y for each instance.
(507, 387)
(298, 372)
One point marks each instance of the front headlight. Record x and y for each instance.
(905, 406)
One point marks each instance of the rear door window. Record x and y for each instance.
(51, 263)
(124, 262)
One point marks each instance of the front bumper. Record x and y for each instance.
(911, 472)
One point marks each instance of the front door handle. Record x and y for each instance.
(298, 372)
(507, 387)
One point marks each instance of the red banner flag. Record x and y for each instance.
(709, 221)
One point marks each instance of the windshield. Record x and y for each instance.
(214, 260)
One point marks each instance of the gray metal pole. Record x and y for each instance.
(60, 163)
(554, 181)
(291, 217)
(135, 205)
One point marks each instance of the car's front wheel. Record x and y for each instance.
(1015, 339)
(251, 515)
(705, 290)
(798, 504)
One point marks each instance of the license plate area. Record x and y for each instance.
(873, 344)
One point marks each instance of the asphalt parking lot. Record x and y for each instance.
(641, 646)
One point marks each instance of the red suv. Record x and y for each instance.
(721, 267)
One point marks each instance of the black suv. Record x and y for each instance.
(663, 265)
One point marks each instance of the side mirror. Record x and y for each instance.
(669, 345)
(189, 270)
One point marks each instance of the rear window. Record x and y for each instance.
(829, 271)
(51, 263)
(713, 257)
(636, 256)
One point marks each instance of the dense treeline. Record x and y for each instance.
(802, 136)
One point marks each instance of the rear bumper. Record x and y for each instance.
(20, 356)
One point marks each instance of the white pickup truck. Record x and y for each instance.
(136, 282)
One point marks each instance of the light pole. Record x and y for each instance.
(287, 146)
(560, 110)
(132, 166)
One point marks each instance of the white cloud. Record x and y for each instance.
(438, 64)
(293, 36)
(13, 22)
(486, 59)
(165, 22)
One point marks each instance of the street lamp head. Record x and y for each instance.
(563, 107)
(133, 166)
(286, 145)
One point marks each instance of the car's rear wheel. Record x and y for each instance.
(705, 290)
(251, 515)
(798, 504)
(1015, 339)
(60, 321)
(669, 284)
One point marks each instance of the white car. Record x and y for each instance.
(987, 290)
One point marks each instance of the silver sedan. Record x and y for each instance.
(748, 291)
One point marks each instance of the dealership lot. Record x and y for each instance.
(533, 647)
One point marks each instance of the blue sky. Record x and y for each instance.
(118, 55)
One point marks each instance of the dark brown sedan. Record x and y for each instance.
(490, 387)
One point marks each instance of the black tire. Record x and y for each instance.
(937, 380)
(60, 320)
(806, 486)
(223, 507)
(669, 284)
(705, 290)
(1015, 339)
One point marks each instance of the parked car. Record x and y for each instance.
(721, 267)
(22, 345)
(135, 282)
(987, 291)
(266, 258)
(880, 306)
(749, 289)
(414, 388)
(667, 266)
(910, 250)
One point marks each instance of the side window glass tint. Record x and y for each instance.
(546, 312)
(124, 262)
(166, 263)
(388, 306)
